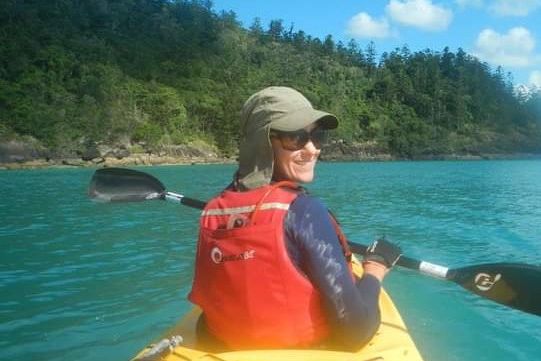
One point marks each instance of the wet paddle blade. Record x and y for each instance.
(512, 284)
(124, 185)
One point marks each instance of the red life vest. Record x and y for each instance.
(251, 293)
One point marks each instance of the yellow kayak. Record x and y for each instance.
(391, 342)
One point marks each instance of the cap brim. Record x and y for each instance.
(303, 117)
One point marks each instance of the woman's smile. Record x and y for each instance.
(295, 165)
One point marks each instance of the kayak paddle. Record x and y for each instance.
(514, 285)
(128, 185)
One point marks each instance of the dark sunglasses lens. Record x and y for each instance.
(319, 137)
(294, 140)
(298, 139)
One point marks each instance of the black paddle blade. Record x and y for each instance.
(124, 185)
(512, 284)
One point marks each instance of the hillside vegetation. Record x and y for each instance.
(152, 73)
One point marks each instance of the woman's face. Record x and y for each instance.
(295, 165)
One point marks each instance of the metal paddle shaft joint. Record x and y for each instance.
(173, 197)
(179, 198)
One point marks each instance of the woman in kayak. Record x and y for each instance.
(273, 267)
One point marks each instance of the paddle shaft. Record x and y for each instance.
(179, 198)
(512, 284)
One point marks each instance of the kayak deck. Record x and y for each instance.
(391, 342)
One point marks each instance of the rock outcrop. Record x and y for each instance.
(21, 150)
(340, 150)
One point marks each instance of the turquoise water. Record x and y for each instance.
(89, 281)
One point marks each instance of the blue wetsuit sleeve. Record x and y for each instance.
(312, 243)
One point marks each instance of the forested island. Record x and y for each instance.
(98, 79)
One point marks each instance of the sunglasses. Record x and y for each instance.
(297, 139)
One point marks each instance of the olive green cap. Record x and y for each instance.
(275, 107)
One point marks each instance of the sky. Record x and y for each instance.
(501, 32)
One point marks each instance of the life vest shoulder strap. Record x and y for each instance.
(283, 184)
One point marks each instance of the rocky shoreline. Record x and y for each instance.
(132, 160)
(29, 155)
